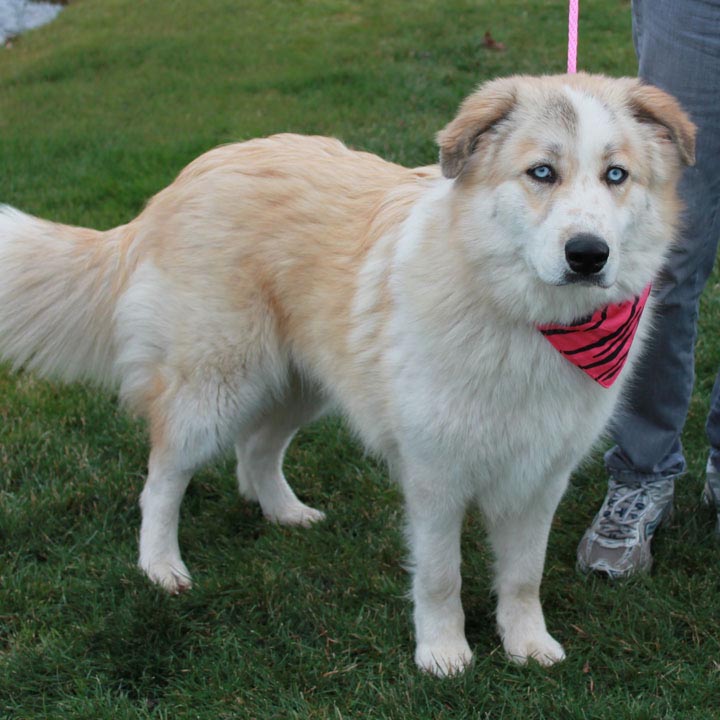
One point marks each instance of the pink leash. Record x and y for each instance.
(573, 36)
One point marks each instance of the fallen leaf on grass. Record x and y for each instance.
(491, 44)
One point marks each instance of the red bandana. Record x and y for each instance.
(599, 345)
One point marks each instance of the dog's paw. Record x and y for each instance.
(295, 514)
(443, 659)
(171, 576)
(541, 647)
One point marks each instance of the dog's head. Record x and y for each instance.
(577, 175)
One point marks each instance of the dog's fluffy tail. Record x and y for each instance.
(58, 290)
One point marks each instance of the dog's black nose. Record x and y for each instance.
(586, 254)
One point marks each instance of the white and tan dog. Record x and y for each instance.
(281, 278)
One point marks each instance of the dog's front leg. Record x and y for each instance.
(519, 539)
(434, 524)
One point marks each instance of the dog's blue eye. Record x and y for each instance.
(616, 175)
(543, 173)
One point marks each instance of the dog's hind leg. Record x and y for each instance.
(519, 539)
(260, 455)
(160, 503)
(188, 427)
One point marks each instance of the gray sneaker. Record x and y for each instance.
(617, 543)
(711, 491)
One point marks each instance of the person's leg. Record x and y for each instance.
(678, 47)
(713, 424)
(711, 491)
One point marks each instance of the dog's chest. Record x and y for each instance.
(499, 400)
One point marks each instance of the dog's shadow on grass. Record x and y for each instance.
(139, 648)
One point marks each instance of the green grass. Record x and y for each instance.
(98, 111)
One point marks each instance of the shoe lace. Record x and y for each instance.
(622, 511)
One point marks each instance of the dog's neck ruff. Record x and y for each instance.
(599, 345)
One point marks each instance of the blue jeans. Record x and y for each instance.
(678, 48)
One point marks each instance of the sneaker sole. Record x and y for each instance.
(613, 575)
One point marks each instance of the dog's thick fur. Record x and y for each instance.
(281, 278)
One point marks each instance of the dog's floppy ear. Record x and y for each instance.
(492, 102)
(651, 105)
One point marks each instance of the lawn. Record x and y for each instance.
(98, 111)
